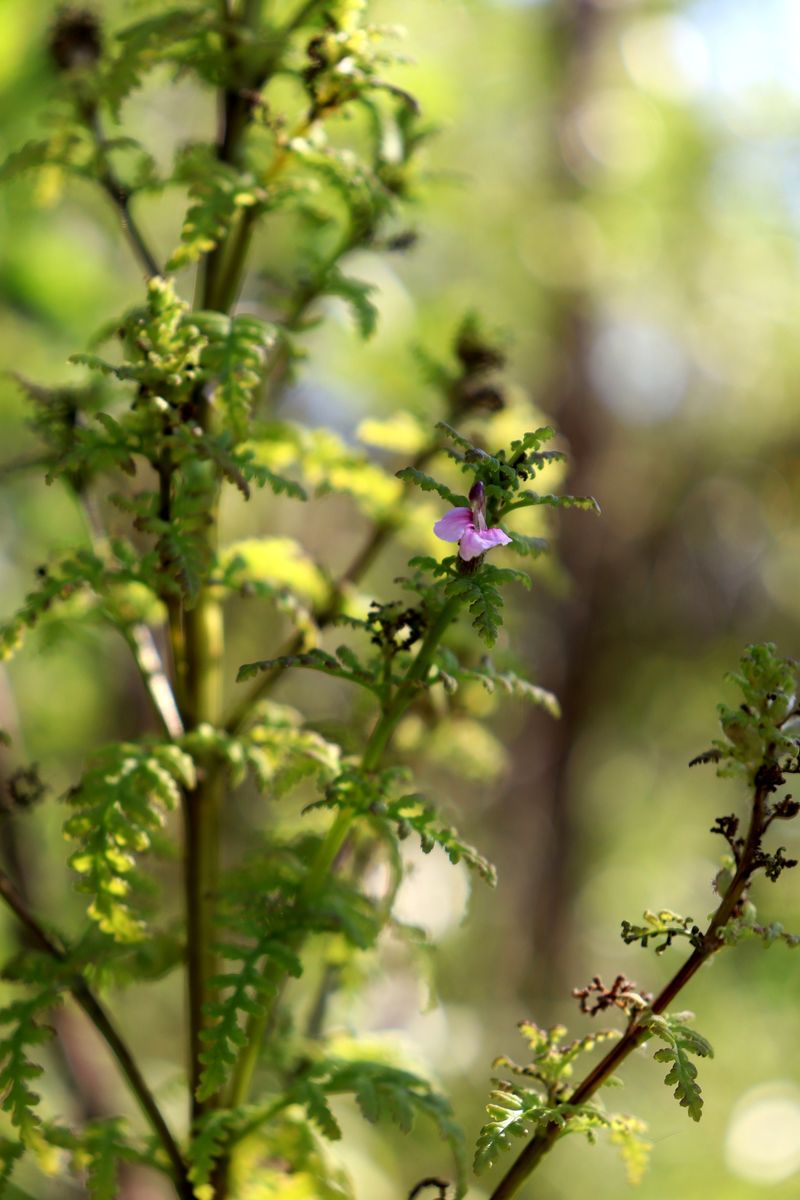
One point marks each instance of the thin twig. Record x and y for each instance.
(637, 1030)
(97, 1014)
(121, 198)
(154, 676)
(140, 641)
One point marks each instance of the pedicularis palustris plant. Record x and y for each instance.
(175, 404)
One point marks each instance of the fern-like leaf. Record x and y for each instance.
(120, 804)
(23, 1021)
(682, 1042)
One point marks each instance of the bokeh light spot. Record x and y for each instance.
(763, 1140)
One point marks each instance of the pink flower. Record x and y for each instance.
(467, 526)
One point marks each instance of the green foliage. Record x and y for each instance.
(248, 989)
(169, 414)
(382, 1093)
(663, 924)
(414, 813)
(357, 296)
(69, 148)
(504, 472)
(184, 37)
(102, 1147)
(759, 732)
(275, 749)
(60, 583)
(211, 1134)
(119, 806)
(746, 926)
(344, 666)
(543, 1102)
(380, 797)
(10, 1154)
(452, 672)
(427, 484)
(236, 356)
(483, 600)
(23, 1023)
(217, 195)
(682, 1041)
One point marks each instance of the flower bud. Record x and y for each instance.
(477, 495)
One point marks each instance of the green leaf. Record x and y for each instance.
(217, 196)
(663, 924)
(508, 1119)
(22, 1020)
(494, 680)
(357, 296)
(182, 36)
(275, 749)
(248, 991)
(72, 575)
(682, 1041)
(209, 1136)
(483, 601)
(107, 1147)
(387, 1093)
(528, 499)
(118, 808)
(314, 660)
(427, 484)
(235, 360)
(414, 813)
(312, 1096)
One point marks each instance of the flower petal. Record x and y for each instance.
(454, 524)
(475, 542)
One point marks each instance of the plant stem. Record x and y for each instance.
(97, 1014)
(151, 669)
(202, 653)
(137, 635)
(637, 1032)
(121, 198)
(204, 640)
(335, 838)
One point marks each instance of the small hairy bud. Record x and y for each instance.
(76, 40)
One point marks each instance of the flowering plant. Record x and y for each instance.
(266, 922)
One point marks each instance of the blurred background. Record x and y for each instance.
(614, 186)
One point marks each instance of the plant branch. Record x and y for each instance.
(140, 641)
(637, 1032)
(334, 840)
(97, 1014)
(154, 676)
(120, 196)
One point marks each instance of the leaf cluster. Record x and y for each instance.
(762, 735)
(662, 924)
(382, 1093)
(119, 808)
(520, 1110)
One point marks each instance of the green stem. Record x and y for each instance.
(337, 834)
(204, 636)
(636, 1033)
(203, 651)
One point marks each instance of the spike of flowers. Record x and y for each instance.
(467, 526)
